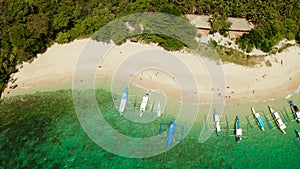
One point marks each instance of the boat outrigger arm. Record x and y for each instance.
(144, 103)
(277, 119)
(258, 119)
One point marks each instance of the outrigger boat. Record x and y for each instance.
(123, 102)
(217, 121)
(297, 140)
(295, 110)
(238, 129)
(258, 119)
(171, 133)
(172, 130)
(158, 110)
(277, 119)
(298, 133)
(144, 103)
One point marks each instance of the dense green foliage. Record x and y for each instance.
(276, 21)
(164, 41)
(234, 56)
(220, 24)
(28, 27)
(161, 28)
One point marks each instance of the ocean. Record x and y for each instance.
(42, 131)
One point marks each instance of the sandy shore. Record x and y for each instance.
(54, 70)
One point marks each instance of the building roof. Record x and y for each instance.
(239, 24)
(202, 22)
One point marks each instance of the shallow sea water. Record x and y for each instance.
(42, 131)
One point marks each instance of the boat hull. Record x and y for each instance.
(123, 102)
(258, 119)
(217, 122)
(238, 130)
(144, 104)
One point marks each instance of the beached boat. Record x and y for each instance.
(295, 111)
(123, 102)
(258, 119)
(144, 103)
(277, 119)
(238, 129)
(217, 121)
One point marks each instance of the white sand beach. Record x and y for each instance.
(54, 70)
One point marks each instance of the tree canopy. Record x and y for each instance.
(220, 24)
(28, 27)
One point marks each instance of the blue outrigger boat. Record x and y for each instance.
(295, 111)
(238, 129)
(258, 119)
(123, 102)
(172, 130)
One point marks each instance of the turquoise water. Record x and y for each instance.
(42, 131)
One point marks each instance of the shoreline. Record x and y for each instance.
(172, 106)
(54, 70)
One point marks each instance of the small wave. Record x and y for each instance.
(288, 96)
(297, 90)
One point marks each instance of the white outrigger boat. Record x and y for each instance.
(158, 110)
(295, 111)
(238, 129)
(144, 103)
(277, 119)
(123, 102)
(258, 119)
(217, 121)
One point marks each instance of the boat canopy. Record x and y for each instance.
(298, 114)
(218, 127)
(217, 118)
(238, 124)
(261, 123)
(144, 103)
(281, 124)
(276, 115)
